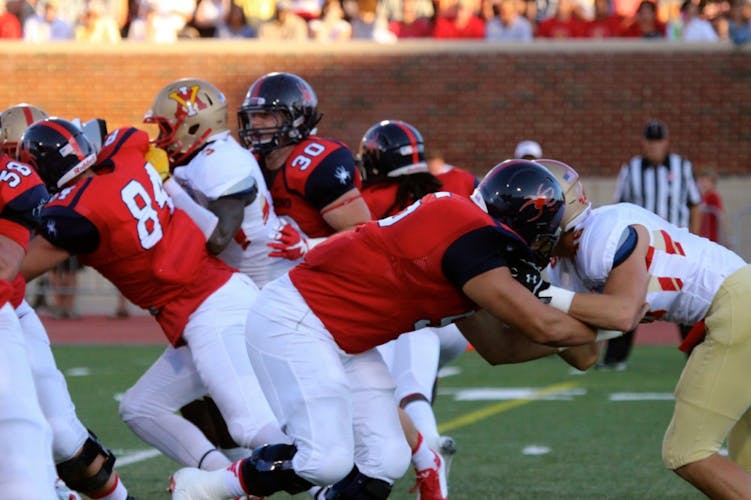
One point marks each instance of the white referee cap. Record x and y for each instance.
(526, 149)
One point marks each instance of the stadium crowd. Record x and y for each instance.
(330, 21)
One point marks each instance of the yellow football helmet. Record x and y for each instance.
(14, 121)
(187, 111)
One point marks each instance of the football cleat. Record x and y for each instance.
(431, 483)
(190, 483)
(63, 492)
(447, 450)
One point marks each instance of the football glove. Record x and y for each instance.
(159, 160)
(288, 243)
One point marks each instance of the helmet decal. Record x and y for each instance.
(71, 145)
(542, 201)
(188, 102)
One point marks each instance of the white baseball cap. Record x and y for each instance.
(528, 148)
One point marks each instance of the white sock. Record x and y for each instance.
(423, 417)
(118, 492)
(232, 480)
(422, 456)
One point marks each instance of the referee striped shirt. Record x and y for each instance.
(669, 190)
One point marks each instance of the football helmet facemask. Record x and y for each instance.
(13, 122)
(58, 151)
(527, 198)
(187, 111)
(290, 99)
(391, 148)
(577, 204)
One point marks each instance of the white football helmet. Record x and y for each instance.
(187, 111)
(14, 121)
(577, 204)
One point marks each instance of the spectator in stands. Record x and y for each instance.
(739, 24)
(257, 11)
(393, 10)
(209, 14)
(48, 26)
(22, 9)
(161, 21)
(604, 24)
(645, 23)
(507, 23)
(286, 25)
(528, 150)
(368, 22)
(461, 22)
(411, 24)
(333, 25)
(695, 27)
(97, 25)
(307, 9)
(10, 26)
(236, 25)
(567, 22)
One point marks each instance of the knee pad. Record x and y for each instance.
(75, 472)
(269, 470)
(358, 486)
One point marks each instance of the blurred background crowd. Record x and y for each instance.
(384, 21)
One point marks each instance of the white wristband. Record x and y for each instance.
(560, 298)
(607, 335)
(204, 218)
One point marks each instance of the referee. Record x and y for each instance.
(662, 182)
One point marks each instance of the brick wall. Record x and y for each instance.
(585, 102)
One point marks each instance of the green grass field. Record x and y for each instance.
(561, 435)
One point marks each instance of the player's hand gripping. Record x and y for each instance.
(159, 160)
(528, 274)
(288, 243)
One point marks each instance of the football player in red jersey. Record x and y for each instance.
(27, 469)
(312, 333)
(392, 162)
(114, 213)
(312, 180)
(82, 462)
(453, 179)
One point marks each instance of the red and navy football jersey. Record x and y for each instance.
(22, 196)
(401, 273)
(122, 223)
(317, 172)
(380, 199)
(455, 180)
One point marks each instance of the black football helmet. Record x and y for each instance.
(391, 148)
(58, 150)
(287, 94)
(527, 198)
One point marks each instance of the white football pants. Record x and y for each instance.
(338, 408)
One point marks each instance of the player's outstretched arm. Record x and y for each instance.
(230, 211)
(621, 306)
(346, 211)
(510, 302)
(11, 255)
(497, 342)
(41, 257)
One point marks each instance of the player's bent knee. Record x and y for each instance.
(90, 470)
(395, 459)
(68, 436)
(325, 466)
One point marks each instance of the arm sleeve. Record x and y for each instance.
(626, 245)
(25, 209)
(69, 230)
(333, 177)
(474, 253)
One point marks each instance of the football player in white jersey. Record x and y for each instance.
(211, 171)
(628, 255)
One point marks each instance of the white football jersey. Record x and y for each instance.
(223, 168)
(685, 270)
